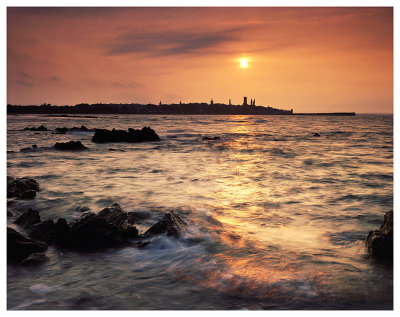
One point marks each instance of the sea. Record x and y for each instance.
(277, 217)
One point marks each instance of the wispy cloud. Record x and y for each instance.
(167, 43)
(24, 83)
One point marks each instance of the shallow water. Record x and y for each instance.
(276, 217)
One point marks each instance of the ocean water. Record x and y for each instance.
(277, 218)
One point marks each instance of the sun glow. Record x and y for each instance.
(244, 63)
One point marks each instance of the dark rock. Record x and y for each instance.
(146, 134)
(62, 130)
(9, 213)
(81, 129)
(135, 216)
(379, 243)
(60, 233)
(35, 259)
(21, 187)
(316, 134)
(29, 194)
(82, 209)
(28, 218)
(92, 232)
(20, 247)
(29, 149)
(70, 146)
(171, 224)
(209, 138)
(41, 128)
(42, 231)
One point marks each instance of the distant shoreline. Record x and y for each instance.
(161, 109)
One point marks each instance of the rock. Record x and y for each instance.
(82, 209)
(9, 214)
(316, 134)
(28, 218)
(29, 194)
(50, 232)
(60, 233)
(171, 224)
(21, 188)
(29, 149)
(41, 128)
(92, 232)
(81, 129)
(35, 259)
(70, 146)
(135, 216)
(62, 130)
(20, 247)
(379, 243)
(209, 138)
(146, 134)
(74, 129)
(41, 231)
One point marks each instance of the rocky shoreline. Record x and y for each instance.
(114, 227)
(91, 232)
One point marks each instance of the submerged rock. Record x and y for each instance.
(62, 130)
(211, 138)
(20, 247)
(379, 243)
(135, 216)
(41, 128)
(35, 259)
(74, 129)
(28, 218)
(171, 224)
(316, 134)
(21, 188)
(146, 134)
(70, 146)
(34, 148)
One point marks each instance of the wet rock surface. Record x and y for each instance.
(28, 218)
(20, 247)
(91, 232)
(35, 259)
(41, 128)
(171, 224)
(34, 148)
(146, 134)
(379, 243)
(21, 188)
(64, 130)
(70, 146)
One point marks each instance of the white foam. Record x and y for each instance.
(40, 289)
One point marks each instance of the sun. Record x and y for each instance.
(244, 63)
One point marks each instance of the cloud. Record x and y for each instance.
(170, 43)
(24, 83)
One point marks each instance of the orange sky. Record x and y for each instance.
(308, 59)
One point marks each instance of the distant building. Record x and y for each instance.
(244, 101)
(211, 102)
(230, 103)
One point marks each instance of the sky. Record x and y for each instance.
(307, 59)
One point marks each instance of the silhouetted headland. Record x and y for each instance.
(181, 108)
